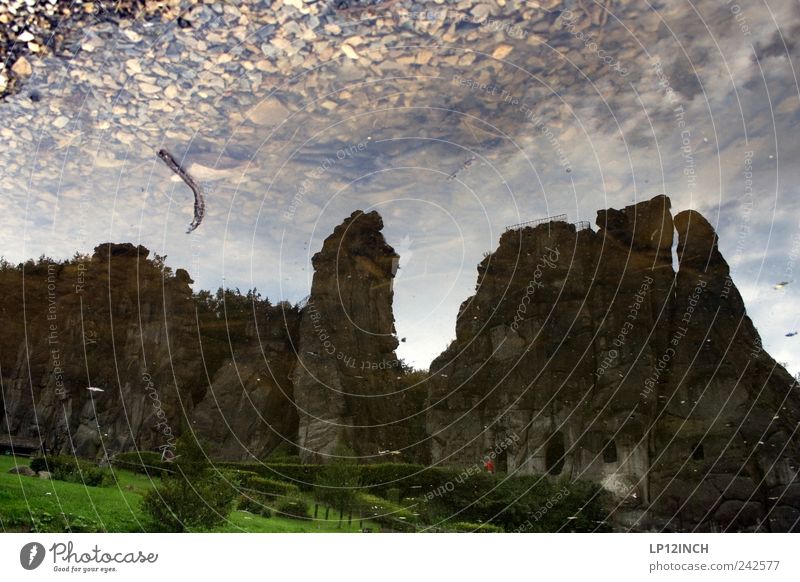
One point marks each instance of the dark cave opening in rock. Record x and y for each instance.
(610, 452)
(502, 461)
(698, 454)
(554, 454)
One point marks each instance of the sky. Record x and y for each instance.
(698, 101)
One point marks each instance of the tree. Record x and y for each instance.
(337, 484)
(194, 496)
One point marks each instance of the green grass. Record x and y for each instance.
(33, 504)
(241, 520)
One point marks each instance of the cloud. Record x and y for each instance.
(619, 136)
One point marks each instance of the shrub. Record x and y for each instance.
(194, 497)
(74, 470)
(391, 515)
(268, 486)
(468, 527)
(296, 507)
(255, 504)
(337, 483)
(179, 504)
(38, 464)
(144, 462)
(302, 476)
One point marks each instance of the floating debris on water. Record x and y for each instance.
(199, 201)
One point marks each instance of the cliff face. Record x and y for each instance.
(346, 380)
(608, 366)
(111, 353)
(248, 410)
(586, 348)
(727, 402)
(93, 351)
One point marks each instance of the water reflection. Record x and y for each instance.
(453, 124)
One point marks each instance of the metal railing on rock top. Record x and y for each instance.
(538, 221)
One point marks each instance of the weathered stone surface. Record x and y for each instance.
(609, 366)
(345, 382)
(23, 470)
(159, 359)
(726, 395)
(113, 321)
(248, 409)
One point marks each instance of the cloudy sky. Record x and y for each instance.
(450, 135)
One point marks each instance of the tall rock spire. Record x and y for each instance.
(345, 384)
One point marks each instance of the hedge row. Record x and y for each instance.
(295, 507)
(301, 476)
(387, 513)
(410, 480)
(469, 527)
(251, 481)
(143, 462)
(255, 504)
(74, 470)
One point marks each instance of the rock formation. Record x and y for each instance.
(111, 353)
(93, 352)
(608, 366)
(346, 381)
(247, 411)
(586, 348)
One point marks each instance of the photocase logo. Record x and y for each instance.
(31, 555)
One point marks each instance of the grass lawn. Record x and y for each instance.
(33, 504)
(243, 521)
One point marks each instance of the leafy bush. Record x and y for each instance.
(338, 482)
(73, 470)
(296, 507)
(387, 513)
(38, 464)
(468, 527)
(268, 486)
(180, 504)
(302, 476)
(195, 497)
(143, 462)
(255, 504)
